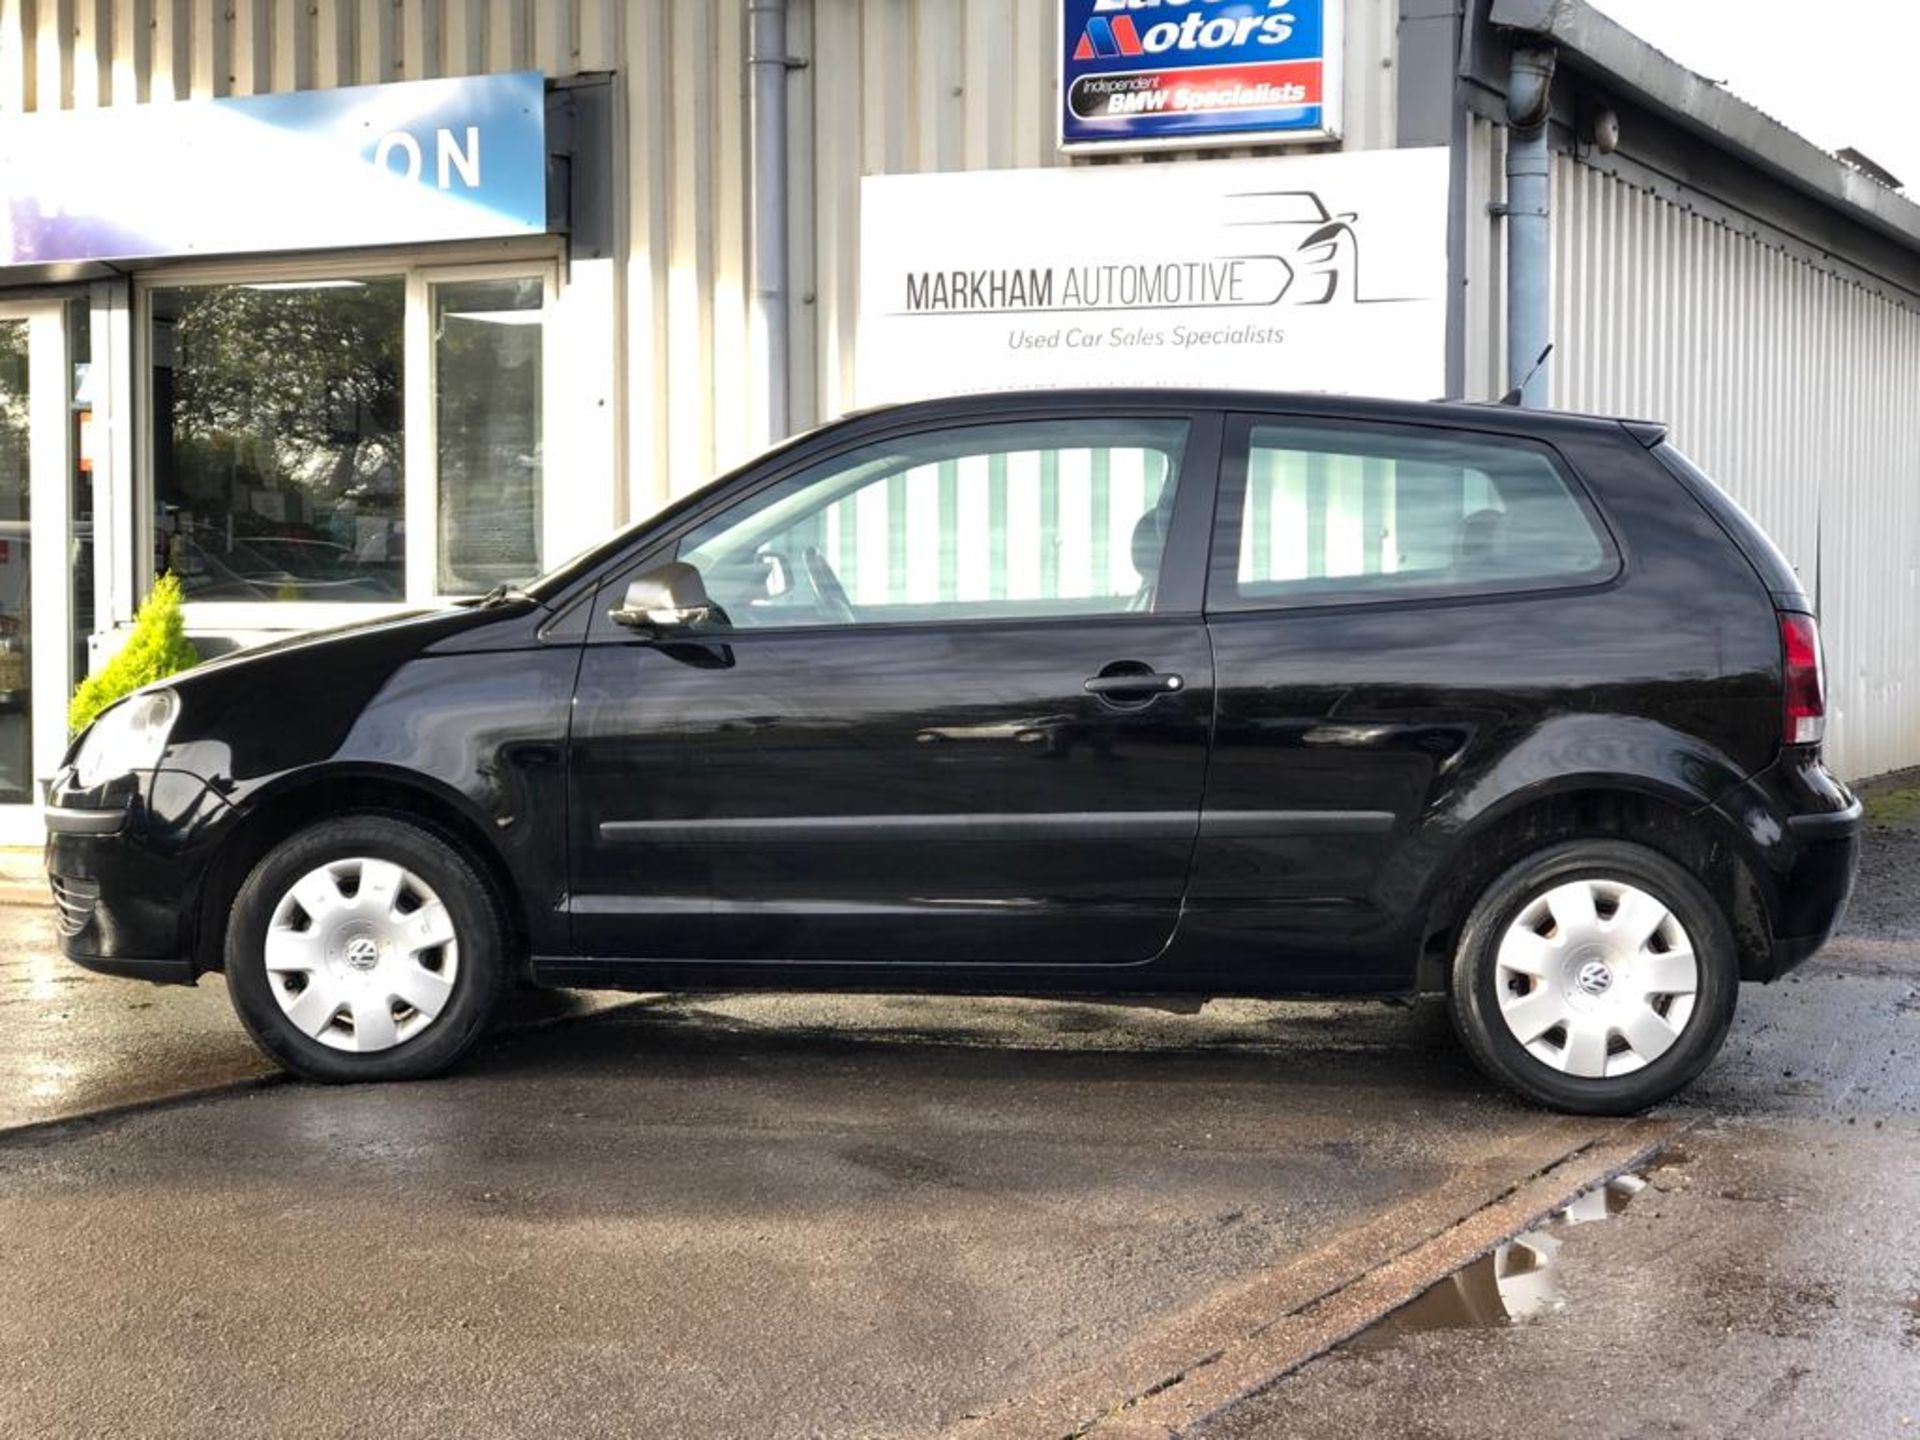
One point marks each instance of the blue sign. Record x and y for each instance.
(423, 160)
(1177, 73)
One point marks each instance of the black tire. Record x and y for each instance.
(1475, 1001)
(479, 928)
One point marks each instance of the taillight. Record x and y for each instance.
(1806, 708)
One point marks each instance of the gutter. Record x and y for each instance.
(768, 64)
(1695, 104)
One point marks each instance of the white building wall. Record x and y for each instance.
(1794, 383)
(1788, 379)
(888, 86)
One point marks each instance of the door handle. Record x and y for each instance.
(1138, 683)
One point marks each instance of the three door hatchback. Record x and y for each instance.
(1090, 693)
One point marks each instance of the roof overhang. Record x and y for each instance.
(1608, 49)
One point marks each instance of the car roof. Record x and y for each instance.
(1479, 415)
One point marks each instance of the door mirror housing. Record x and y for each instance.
(666, 599)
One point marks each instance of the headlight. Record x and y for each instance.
(129, 737)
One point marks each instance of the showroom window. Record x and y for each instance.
(486, 408)
(293, 463)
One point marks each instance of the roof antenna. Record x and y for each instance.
(1516, 395)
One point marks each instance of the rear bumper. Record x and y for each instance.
(1833, 825)
(1819, 884)
(1802, 829)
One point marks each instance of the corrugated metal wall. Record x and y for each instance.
(677, 341)
(888, 86)
(1791, 382)
(1795, 385)
(1485, 299)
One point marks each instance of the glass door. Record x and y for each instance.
(35, 485)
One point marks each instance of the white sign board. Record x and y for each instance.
(1310, 272)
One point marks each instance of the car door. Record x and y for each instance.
(1389, 605)
(950, 704)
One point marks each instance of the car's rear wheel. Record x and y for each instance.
(365, 948)
(1597, 977)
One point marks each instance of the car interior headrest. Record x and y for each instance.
(1477, 542)
(1147, 544)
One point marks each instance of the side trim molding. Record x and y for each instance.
(1057, 825)
(1276, 824)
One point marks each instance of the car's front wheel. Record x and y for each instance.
(1597, 977)
(365, 948)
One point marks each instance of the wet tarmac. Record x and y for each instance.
(766, 1217)
(1517, 1281)
(1764, 1285)
(73, 1043)
(76, 1044)
(899, 1216)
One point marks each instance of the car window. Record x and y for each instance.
(1331, 515)
(1026, 520)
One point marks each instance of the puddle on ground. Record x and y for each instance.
(1516, 1282)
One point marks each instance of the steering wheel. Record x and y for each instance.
(827, 589)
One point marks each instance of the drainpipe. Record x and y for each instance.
(768, 63)
(1529, 212)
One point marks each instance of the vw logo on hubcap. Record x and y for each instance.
(363, 952)
(1595, 977)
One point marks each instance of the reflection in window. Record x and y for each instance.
(277, 450)
(486, 366)
(1328, 513)
(1049, 518)
(83, 438)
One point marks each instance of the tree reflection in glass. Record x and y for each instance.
(278, 439)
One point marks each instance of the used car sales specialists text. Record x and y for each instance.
(1145, 337)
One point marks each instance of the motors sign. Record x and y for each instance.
(1310, 272)
(1138, 74)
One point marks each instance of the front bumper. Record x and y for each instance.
(126, 877)
(67, 820)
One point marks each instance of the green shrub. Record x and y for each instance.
(157, 648)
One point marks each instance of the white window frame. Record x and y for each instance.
(49, 463)
(420, 487)
(422, 437)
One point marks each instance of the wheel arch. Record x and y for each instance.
(272, 817)
(1671, 822)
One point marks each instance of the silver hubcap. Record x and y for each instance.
(361, 955)
(1596, 978)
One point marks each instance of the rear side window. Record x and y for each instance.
(1321, 515)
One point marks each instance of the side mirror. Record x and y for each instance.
(667, 598)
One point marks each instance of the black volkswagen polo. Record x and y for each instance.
(1100, 693)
